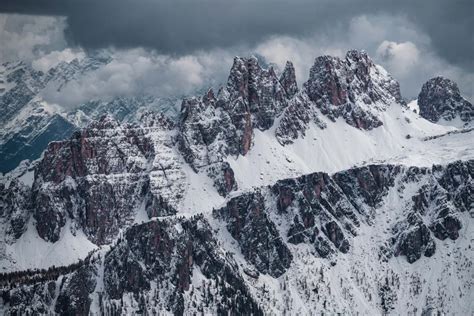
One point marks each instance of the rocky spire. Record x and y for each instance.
(237, 83)
(288, 79)
(440, 99)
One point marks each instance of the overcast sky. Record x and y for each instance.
(170, 47)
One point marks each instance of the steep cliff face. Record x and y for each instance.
(440, 99)
(288, 79)
(15, 205)
(214, 127)
(328, 211)
(248, 223)
(102, 175)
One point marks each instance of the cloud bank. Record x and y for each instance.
(192, 48)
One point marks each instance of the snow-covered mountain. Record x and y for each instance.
(260, 198)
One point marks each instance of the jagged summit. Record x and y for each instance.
(440, 99)
(255, 98)
(353, 88)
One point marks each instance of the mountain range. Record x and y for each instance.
(260, 197)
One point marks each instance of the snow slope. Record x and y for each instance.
(341, 146)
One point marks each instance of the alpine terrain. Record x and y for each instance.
(262, 197)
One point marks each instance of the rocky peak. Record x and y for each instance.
(150, 119)
(259, 89)
(440, 98)
(239, 76)
(288, 79)
(360, 61)
(354, 88)
(212, 128)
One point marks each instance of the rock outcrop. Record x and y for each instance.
(103, 175)
(440, 98)
(247, 221)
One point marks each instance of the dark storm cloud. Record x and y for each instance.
(184, 26)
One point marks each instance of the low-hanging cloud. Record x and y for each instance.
(393, 41)
(140, 72)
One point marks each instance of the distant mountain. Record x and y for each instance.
(264, 197)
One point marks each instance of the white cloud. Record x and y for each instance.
(51, 59)
(139, 72)
(401, 57)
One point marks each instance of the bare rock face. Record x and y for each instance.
(371, 183)
(297, 118)
(248, 222)
(74, 297)
(316, 204)
(435, 209)
(440, 98)
(15, 208)
(100, 177)
(169, 253)
(288, 79)
(352, 88)
(416, 240)
(255, 92)
(223, 176)
(214, 127)
(327, 211)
